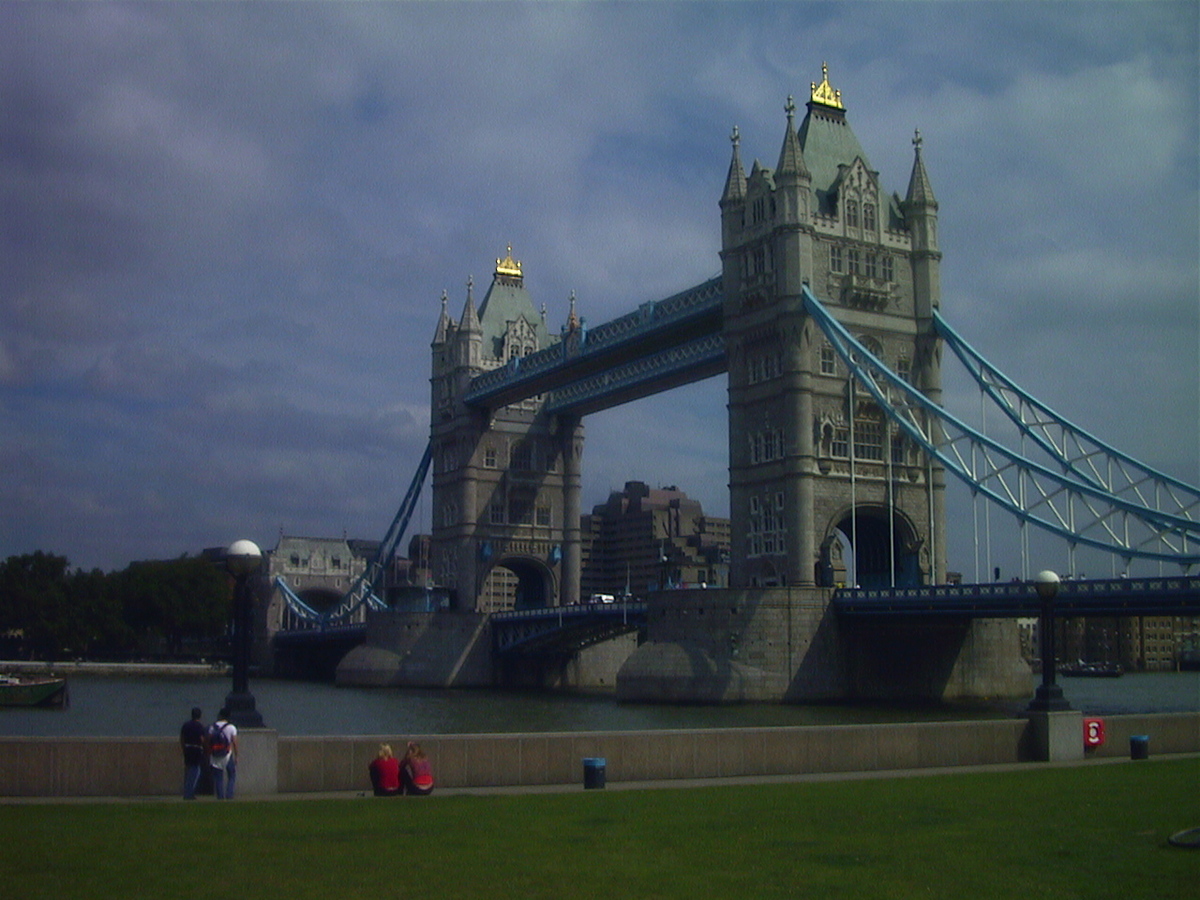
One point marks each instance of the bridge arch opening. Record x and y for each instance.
(319, 598)
(516, 582)
(886, 554)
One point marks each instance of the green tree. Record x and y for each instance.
(180, 600)
(33, 601)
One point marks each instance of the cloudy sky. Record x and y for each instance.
(227, 227)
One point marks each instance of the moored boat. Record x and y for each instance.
(1083, 669)
(31, 690)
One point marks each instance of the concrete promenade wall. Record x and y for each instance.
(150, 766)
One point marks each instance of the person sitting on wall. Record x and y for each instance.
(385, 773)
(416, 773)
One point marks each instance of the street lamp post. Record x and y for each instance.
(1049, 696)
(243, 560)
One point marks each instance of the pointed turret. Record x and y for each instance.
(735, 181)
(444, 323)
(791, 157)
(920, 192)
(793, 181)
(470, 318)
(920, 214)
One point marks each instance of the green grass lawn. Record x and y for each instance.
(1080, 832)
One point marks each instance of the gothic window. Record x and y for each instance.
(869, 216)
(835, 258)
(871, 268)
(522, 457)
(904, 368)
(852, 262)
(872, 346)
(851, 213)
(778, 449)
(489, 457)
(888, 270)
(543, 516)
(840, 446)
(496, 510)
(518, 511)
(828, 360)
(868, 436)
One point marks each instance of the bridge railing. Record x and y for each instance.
(1159, 596)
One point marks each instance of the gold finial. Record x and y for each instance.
(508, 266)
(823, 93)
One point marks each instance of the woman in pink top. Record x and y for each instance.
(416, 773)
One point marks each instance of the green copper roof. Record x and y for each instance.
(827, 141)
(507, 300)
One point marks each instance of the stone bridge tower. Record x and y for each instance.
(823, 490)
(506, 482)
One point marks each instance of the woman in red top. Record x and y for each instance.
(385, 773)
(416, 773)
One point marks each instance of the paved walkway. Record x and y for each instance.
(671, 784)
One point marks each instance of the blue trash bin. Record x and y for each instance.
(1139, 746)
(593, 772)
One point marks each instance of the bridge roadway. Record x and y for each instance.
(660, 345)
(563, 630)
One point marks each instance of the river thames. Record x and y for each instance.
(156, 706)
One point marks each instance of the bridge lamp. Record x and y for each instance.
(1049, 695)
(243, 560)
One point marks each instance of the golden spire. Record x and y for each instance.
(823, 93)
(508, 266)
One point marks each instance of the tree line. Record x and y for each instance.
(161, 608)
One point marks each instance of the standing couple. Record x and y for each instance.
(219, 743)
(391, 776)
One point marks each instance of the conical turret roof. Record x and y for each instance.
(920, 191)
(791, 157)
(735, 181)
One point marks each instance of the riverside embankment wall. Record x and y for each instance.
(102, 767)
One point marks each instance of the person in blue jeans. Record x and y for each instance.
(191, 740)
(222, 755)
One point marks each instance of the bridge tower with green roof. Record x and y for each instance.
(823, 490)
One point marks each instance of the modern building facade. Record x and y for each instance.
(644, 539)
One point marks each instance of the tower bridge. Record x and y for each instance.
(826, 320)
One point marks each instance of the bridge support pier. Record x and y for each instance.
(788, 645)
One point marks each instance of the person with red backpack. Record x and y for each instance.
(222, 755)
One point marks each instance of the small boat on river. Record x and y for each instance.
(1083, 669)
(32, 690)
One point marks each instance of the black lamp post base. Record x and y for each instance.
(241, 710)
(1048, 698)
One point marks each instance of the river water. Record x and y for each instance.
(153, 705)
